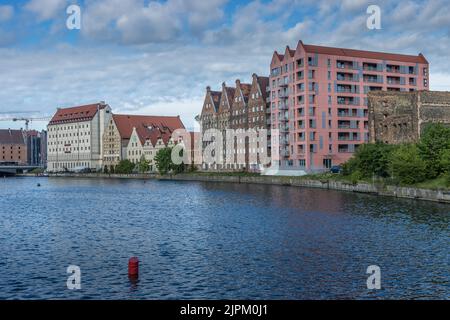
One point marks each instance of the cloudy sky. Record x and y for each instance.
(157, 57)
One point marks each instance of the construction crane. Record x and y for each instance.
(26, 120)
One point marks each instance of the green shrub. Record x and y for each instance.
(434, 143)
(370, 159)
(445, 161)
(125, 167)
(143, 165)
(356, 176)
(164, 163)
(407, 166)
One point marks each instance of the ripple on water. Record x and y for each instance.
(216, 241)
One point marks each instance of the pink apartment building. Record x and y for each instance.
(319, 99)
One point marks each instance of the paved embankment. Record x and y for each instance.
(383, 190)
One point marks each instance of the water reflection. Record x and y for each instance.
(216, 241)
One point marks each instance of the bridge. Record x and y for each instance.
(15, 169)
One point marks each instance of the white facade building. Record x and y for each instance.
(75, 137)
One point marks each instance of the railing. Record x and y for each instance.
(283, 95)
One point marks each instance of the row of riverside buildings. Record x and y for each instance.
(316, 98)
(24, 148)
(92, 137)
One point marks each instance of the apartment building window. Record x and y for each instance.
(425, 72)
(302, 163)
(425, 82)
(327, 163)
(329, 62)
(329, 75)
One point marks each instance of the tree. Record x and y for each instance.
(407, 166)
(164, 163)
(163, 160)
(444, 162)
(370, 159)
(143, 165)
(125, 167)
(434, 141)
(105, 170)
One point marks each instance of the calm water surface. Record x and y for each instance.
(216, 241)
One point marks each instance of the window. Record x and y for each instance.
(302, 163)
(327, 163)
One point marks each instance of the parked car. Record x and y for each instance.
(336, 169)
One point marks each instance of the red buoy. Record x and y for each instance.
(133, 267)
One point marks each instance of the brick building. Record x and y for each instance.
(13, 148)
(240, 108)
(400, 117)
(319, 99)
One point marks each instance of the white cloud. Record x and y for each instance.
(171, 50)
(138, 22)
(47, 9)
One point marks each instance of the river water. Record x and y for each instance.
(216, 241)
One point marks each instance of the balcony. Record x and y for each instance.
(348, 101)
(372, 67)
(373, 79)
(347, 88)
(346, 114)
(284, 153)
(283, 106)
(284, 118)
(283, 95)
(392, 68)
(341, 64)
(348, 125)
(394, 80)
(343, 149)
(347, 137)
(351, 77)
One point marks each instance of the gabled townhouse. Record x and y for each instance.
(239, 123)
(239, 108)
(259, 118)
(224, 117)
(208, 118)
(132, 137)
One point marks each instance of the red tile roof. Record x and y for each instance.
(147, 127)
(365, 54)
(76, 114)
